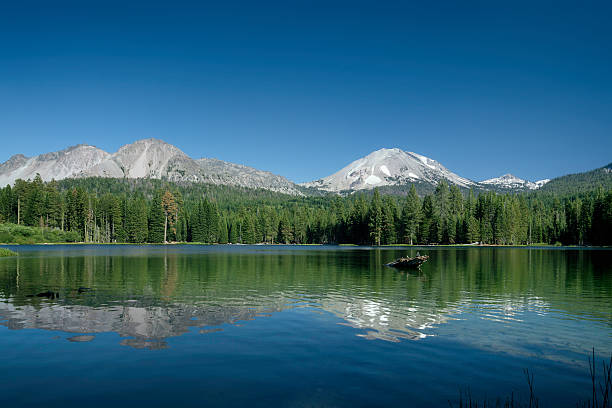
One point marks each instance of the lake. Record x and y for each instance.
(190, 325)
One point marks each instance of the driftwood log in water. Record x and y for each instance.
(406, 263)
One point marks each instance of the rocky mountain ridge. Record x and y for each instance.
(147, 158)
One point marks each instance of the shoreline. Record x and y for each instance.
(537, 246)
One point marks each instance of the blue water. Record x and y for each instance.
(299, 326)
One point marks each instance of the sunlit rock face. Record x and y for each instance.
(70, 162)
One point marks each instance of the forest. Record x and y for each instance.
(97, 210)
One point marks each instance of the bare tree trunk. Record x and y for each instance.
(18, 210)
(165, 229)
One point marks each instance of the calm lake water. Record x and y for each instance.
(298, 326)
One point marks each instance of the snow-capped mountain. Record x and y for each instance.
(148, 158)
(387, 167)
(508, 181)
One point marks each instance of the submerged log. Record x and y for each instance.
(414, 262)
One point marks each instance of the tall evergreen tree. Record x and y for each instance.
(136, 222)
(156, 219)
(375, 219)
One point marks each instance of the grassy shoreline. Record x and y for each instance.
(13, 234)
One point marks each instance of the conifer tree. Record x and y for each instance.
(156, 219)
(223, 231)
(136, 223)
(411, 213)
(233, 232)
(389, 210)
(170, 210)
(375, 219)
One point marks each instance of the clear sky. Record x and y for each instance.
(301, 88)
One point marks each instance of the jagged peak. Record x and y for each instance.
(15, 157)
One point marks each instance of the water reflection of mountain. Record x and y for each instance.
(142, 326)
(151, 296)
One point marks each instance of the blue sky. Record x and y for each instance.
(301, 88)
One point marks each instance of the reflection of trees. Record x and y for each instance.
(150, 296)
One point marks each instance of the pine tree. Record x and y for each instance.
(584, 222)
(411, 213)
(375, 219)
(35, 201)
(156, 220)
(212, 223)
(170, 210)
(233, 232)
(389, 210)
(358, 221)
(428, 214)
(136, 223)
(223, 231)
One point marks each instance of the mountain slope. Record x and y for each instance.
(388, 167)
(147, 158)
(581, 182)
(221, 172)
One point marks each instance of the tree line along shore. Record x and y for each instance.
(97, 210)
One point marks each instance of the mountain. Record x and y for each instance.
(65, 163)
(510, 182)
(391, 170)
(581, 182)
(389, 167)
(148, 158)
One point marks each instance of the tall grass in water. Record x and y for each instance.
(7, 252)
(599, 390)
(600, 395)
